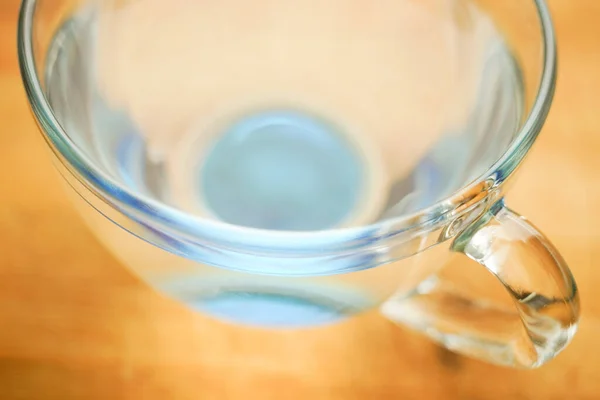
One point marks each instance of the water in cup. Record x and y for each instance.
(289, 116)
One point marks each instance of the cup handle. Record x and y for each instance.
(536, 277)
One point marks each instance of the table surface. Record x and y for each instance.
(75, 324)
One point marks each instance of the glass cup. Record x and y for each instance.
(288, 164)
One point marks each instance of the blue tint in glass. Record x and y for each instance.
(284, 171)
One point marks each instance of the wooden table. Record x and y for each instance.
(75, 324)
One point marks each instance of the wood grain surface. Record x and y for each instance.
(74, 324)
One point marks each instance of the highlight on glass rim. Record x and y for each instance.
(299, 198)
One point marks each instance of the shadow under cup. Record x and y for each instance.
(338, 142)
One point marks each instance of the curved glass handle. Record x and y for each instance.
(536, 277)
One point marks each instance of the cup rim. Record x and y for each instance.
(170, 219)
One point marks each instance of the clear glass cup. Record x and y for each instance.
(289, 164)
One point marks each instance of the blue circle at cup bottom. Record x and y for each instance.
(282, 170)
